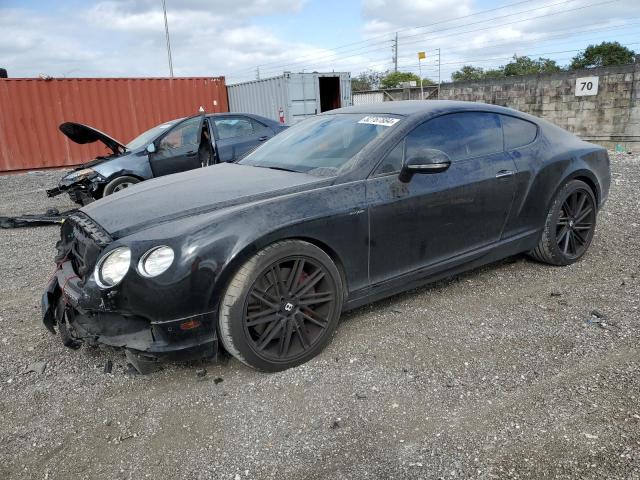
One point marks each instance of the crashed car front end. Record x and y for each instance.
(83, 185)
(108, 291)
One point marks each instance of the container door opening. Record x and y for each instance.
(329, 93)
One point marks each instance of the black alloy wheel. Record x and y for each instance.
(289, 307)
(569, 226)
(576, 223)
(282, 307)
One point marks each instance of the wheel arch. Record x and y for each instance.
(583, 175)
(124, 173)
(245, 253)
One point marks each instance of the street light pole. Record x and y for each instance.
(166, 30)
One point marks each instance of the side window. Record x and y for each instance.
(233, 127)
(459, 135)
(187, 133)
(517, 132)
(392, 163)
(260, 128)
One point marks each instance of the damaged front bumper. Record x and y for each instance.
(81, 314)
(82, 193)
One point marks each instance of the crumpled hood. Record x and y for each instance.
(192, 193)
(82, 134)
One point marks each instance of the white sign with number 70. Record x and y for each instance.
(586, 86)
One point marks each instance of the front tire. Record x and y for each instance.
(282, 307)
(569, 226)
(118, 184)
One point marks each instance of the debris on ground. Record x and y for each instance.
(52, 216)
(37, 367)
(600, 320)
(108, 366)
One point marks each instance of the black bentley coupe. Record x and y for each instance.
(262, 256)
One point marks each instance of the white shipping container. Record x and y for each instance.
(292, 96)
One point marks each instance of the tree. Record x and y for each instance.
(518, 66)
(606, 53)
(394, 79)
(367, 81)
(527, 66)
(494, 72)
(468, 72)
(360, 83)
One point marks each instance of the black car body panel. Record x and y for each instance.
(139, 163)
(383, 234)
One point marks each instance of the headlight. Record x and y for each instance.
(155, 261)
(112, 268)
(79, 174)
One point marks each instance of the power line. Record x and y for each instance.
(572, 33)
(438, 37)
(335, 57)
(527, 43)
(478, 60)
(485, 59)
(415, 28)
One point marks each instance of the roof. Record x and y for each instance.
(413, 107)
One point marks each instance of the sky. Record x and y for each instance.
(235, 38)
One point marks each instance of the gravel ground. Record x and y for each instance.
(502, 372)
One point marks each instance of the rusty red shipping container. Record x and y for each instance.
(32, 109)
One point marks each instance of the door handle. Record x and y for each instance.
(262, 139)
(505, 173)
(191, 154)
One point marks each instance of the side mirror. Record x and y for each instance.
(151, 148)
(425, 160)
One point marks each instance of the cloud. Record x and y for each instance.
(386, 15)
(123, 38)
(232, 37)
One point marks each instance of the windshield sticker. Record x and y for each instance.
(384, 121)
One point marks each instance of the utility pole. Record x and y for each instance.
(395, 53)
(166, 30)
(258, 72)
(439, 74)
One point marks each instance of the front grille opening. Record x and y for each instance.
(81, 242)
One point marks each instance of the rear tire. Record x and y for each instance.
(118, 184)
(282, 307)
(569, 226)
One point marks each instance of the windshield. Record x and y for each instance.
(149, 136)
(321, 145)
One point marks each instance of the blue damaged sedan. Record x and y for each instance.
(172, 147)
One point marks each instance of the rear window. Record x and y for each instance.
(517, 132)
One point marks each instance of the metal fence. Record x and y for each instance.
(32, 109)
